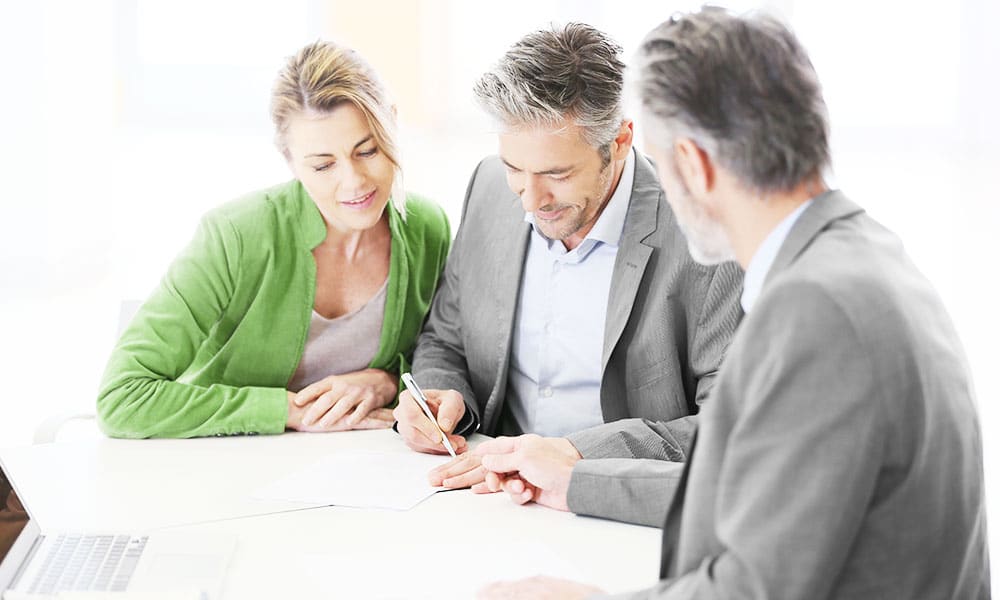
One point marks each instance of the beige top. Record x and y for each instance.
(345, 344)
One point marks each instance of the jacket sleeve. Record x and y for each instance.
(142, 392)
(439, 360)
(630, 466)
(624, 489)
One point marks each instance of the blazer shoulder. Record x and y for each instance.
(823, 279)
(851, 257)
(488, 169)
(489, 200)
(488, 179)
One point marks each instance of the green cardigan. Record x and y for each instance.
(211, 351)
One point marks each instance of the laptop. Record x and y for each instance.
(36, 564)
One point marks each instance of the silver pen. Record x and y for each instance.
(418, 395)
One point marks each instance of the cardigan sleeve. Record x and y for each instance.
(143, 393)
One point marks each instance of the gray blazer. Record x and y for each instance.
(841, 455)
(668, 323)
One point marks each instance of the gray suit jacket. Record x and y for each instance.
(840, 456)
(668, 323)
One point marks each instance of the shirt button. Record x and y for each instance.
(547, 392)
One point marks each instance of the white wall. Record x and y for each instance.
(122, 121)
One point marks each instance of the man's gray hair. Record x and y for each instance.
(574, 72)
(741, 87)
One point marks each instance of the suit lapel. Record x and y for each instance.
(633, 254)
(826, 208)
(512, 247)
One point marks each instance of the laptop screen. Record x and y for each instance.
(13, 517)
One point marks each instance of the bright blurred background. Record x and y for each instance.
(122, 121)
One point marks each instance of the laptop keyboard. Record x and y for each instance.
(81, 563)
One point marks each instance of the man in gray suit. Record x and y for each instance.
(569, 299)
(840, 454)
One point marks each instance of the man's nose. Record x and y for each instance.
(533, 195)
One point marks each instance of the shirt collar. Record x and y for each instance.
(764, 257)
(610, 225)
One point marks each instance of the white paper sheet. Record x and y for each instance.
(392, 480)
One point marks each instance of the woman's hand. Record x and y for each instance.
(341, 402)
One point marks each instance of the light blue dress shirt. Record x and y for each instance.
(554, 380)
(763, 258)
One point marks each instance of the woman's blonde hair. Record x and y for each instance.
(321, 77)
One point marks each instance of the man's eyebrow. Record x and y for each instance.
(555, 171)
(552, 171)
(508, 165)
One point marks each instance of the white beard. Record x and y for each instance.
(706, 239)
(709, 252)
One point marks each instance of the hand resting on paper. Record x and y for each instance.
(467, 471)
(530, 468)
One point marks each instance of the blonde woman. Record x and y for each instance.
(294, 307)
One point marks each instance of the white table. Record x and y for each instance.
(446, 547)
